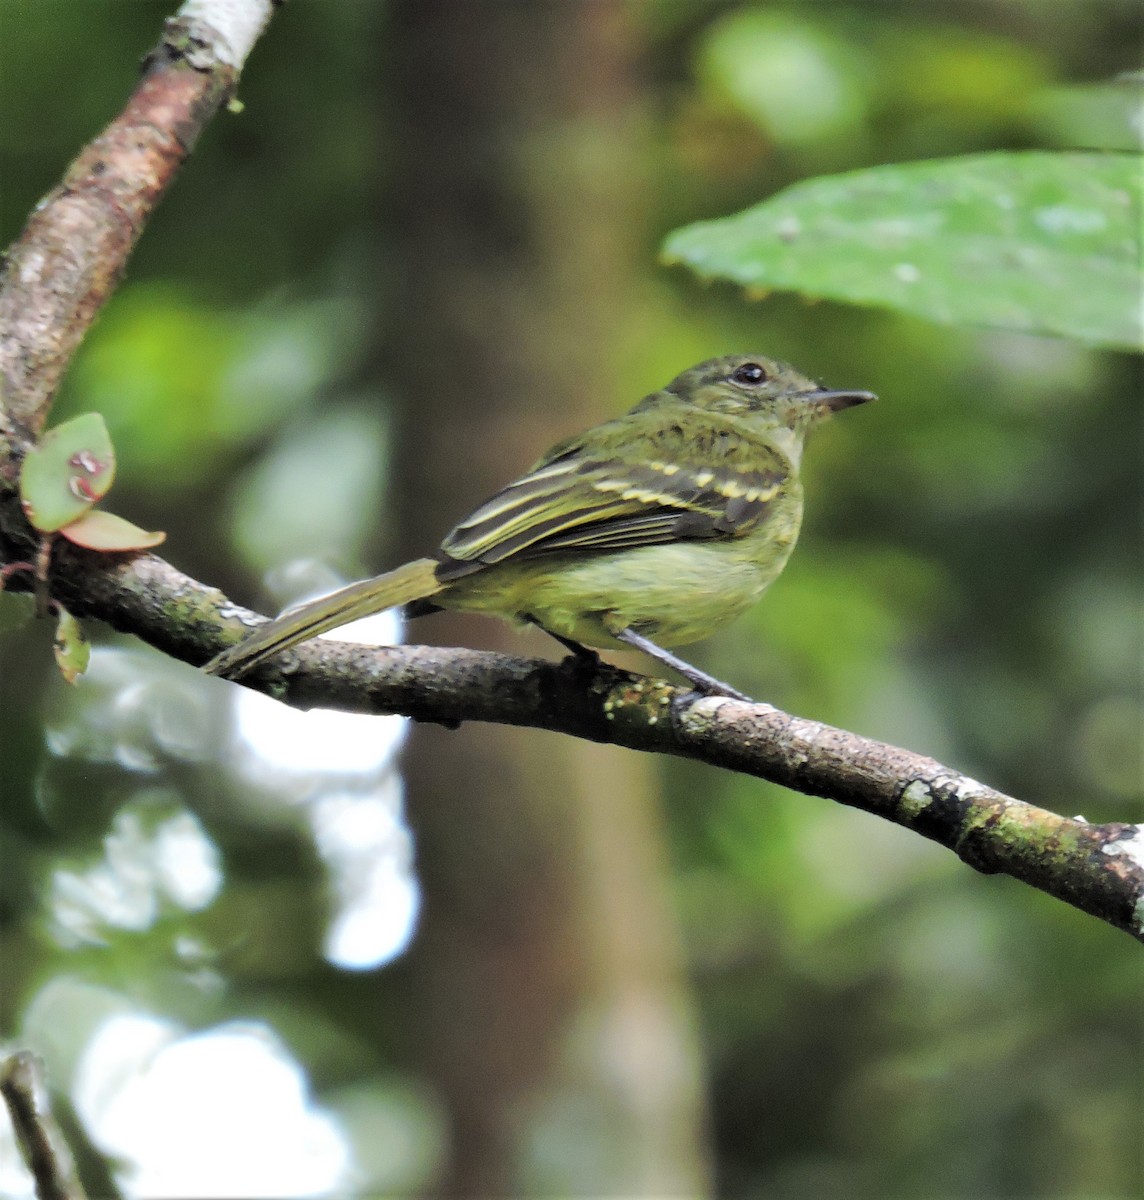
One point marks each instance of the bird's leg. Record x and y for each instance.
(581, 652)
(702, 681)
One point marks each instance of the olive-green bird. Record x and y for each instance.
(656, 527)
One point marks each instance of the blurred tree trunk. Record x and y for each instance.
(545, 979)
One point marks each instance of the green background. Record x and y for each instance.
(857, 1013)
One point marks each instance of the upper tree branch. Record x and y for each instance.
(64, 265)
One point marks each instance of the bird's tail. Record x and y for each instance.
(416, 580)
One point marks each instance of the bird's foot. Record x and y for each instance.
(702, 682)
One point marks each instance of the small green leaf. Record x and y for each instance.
(98, 530)
(72, 649)
(1036, 241)
(72, 467)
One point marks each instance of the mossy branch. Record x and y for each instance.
(1096, 868)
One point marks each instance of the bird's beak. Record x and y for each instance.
(836, 401)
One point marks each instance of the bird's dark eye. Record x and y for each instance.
(750, 373)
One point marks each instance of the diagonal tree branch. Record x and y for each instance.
(61, 270)
(67, 260)
(1096, 868)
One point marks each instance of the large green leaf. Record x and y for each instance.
(1035, 241)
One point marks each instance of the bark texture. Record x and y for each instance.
(73, 251)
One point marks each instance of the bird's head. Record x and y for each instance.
(762, 391)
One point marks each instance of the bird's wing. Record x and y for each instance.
(573, 501)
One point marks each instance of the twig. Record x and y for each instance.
(41, 1142)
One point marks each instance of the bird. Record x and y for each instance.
(648, 530)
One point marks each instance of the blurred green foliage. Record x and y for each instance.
(879, 1021)
(1105, 116)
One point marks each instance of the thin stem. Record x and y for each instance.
(41, 1143)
